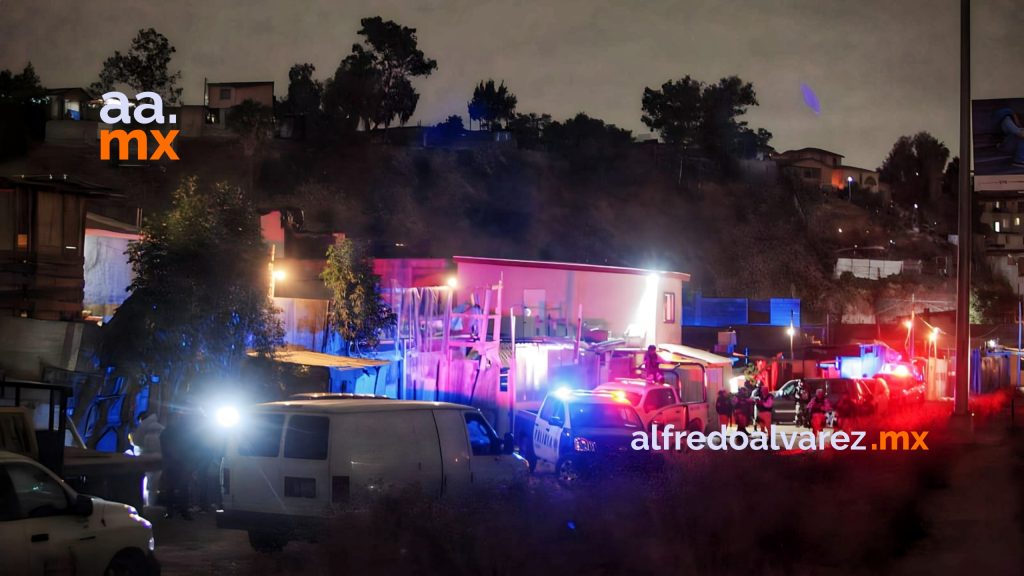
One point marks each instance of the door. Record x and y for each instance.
(660, 407)
(384, 451)
(12, 532)
(252, 471)
(457, 475)
(57, 540)
(548, 430)
(489, 467)
(785, 402)
(305, 486)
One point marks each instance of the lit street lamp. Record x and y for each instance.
(790, 332)
(849, 188)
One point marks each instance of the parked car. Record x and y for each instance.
(657, 403)
(289, 464)
(904, 387)
(851, 392)
(580, 432)
(48, 528)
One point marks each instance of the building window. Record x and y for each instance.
(1016, 221)
(668, 302)
(225, 93)
(997, 227)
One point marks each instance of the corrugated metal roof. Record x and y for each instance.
(310, 358)
(702, 356)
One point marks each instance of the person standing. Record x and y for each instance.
(723, 405)
(177, 463)
(818, 408)
(765, 405)
(740, 407)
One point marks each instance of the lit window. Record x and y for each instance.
(1016, 221)
(669, 305)
(997, 226)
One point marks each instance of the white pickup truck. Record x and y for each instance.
(580, 433)
(658, 403)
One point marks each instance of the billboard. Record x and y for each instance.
(998, 137)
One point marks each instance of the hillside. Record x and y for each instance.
(603, 206)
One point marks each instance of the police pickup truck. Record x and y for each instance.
(580, 433)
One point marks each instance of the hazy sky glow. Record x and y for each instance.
(879, 69)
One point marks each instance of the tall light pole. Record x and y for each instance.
(849, 188)
(964, 239)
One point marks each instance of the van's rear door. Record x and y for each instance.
(305, 477)
(455, 451)
(252, 468)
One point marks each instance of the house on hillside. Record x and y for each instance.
(72, 115)
(825, 170)
(812, 166)
(221, 97)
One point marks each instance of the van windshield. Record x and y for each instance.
(592, 415)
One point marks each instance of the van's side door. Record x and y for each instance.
(305, 478)
(457, 475)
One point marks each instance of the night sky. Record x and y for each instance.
(880, 69)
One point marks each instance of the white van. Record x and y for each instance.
(290, 464)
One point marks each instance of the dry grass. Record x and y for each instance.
(713, 513)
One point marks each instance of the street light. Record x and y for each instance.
(790, 332)
(849, 188)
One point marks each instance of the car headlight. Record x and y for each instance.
(581, 444)
(227, 416)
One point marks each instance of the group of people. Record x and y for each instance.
(190, 452)
(751, 404)
(755, 404)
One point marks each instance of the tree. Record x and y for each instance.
(529, 129)
(914, 168)
(143, 68)
(373, 85)
(588, 143)
(199, 299)
(21, 86)
(358, 313)
(254, 124)
(305, 93)
(674, 112)
(22, 110)
(491, 105)
(692, 115)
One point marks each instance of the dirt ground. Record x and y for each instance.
(955, 509)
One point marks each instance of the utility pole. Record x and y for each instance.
(963, 273)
